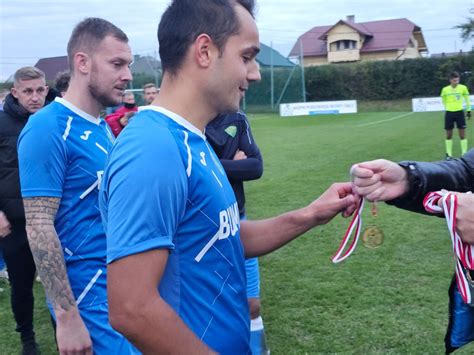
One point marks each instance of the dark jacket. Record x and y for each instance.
(12, 120)
(452, 175)
(227, 134)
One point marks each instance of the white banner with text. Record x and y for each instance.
(430, 104)
(318, 108)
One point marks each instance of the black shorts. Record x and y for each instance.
(454, 117)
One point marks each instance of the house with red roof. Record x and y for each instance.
(348, 41)
(141, 65)
(52, 66)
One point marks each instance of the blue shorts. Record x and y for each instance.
(105, 340)
(253, 278)
(253, 275)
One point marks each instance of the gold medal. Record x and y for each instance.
(372, 236)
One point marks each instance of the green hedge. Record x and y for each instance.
(380, 80)
(260, 93)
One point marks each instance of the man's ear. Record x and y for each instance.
(204, 49)
(14, 92)
(82, 62)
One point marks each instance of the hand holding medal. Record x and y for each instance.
(373, 236)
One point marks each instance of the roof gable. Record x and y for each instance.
(268, 56)
(52, 66)
(145, 65)
(382, 35)
(355, 26)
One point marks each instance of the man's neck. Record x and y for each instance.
(181, 98)
(82, 99)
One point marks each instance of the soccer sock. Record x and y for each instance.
(258, 342)
(463, 146)
(449, 147)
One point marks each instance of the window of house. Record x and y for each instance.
(345, 44)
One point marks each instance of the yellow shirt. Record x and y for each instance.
(453, 98)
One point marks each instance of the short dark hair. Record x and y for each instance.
(149, 85)
(61, 82)
(454, 75)
(184, 20)
(28, 73)
(88, 34)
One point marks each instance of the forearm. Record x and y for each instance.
(453, 175)
(262, 237)
(244, 169)
(49, 258)
(154, 328)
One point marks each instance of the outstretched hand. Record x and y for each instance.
(338, 198)
(379, 180)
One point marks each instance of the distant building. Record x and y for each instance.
(450, 54)
(145, 65)
(52, 66)
(348, 41)
(141, 65)
(268, 56)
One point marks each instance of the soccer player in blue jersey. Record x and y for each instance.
(62, 154)
(175, 245)
(231, 138)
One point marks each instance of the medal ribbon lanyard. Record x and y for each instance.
(463, 252)
(356, 224)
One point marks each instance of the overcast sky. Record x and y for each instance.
(34, 29)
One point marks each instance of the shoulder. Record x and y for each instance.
(237, 118)
(50, 122)
(9, 126)
(48, 117)
(148, 134)
(5, 117)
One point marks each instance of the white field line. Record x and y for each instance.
(388, 119)
(258, 118)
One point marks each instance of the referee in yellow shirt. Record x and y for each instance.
(453, 96)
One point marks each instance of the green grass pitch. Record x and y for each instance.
(390, 300)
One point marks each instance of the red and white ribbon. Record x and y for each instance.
(356, 224)
(463, 252)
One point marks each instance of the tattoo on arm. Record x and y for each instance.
(47, 251)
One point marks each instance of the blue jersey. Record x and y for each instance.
(62, 153)
(164, 188)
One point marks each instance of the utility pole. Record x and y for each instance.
(302, 70)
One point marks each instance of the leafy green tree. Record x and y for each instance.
(467, 29)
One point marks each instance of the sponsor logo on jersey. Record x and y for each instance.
(203, 158)
(229, 220)
(231, 131)
(86, 135)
